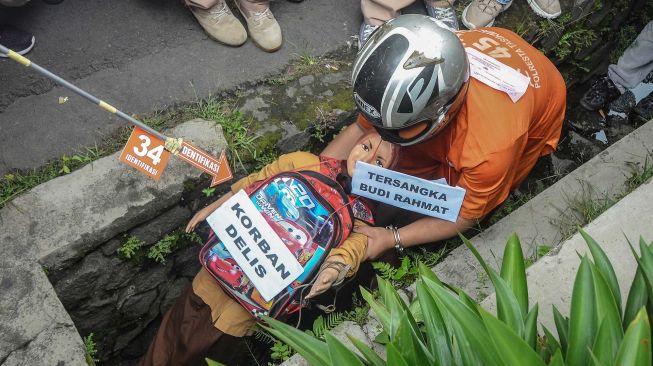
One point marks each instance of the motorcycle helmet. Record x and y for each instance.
(410, 78)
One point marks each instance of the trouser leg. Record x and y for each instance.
(185, 336)
(254, 5)
(636, 62)
(13, 3)
(376, 12)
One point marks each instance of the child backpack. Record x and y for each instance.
(311, 213)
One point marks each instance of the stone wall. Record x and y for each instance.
(118, 299)
(72, 227)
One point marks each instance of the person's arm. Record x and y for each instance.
(342, 144)
(422, 231)
(351, 253)
(202, 214)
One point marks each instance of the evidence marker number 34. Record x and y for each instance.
(148, 154)
(145, 153)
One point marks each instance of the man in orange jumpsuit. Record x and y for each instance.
(477, 108)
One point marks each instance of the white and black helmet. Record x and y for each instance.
(410, 78)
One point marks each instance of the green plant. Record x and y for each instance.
(625, 37)
(210, 362)
(448, 327)
(240, 138)
(16, 183)
(90, 350)
(193, 237)
(65, 161)
(280, 351)
(264, 159)
(306, 58)
(208, 192)
(406, 273)
(88, 155)
(130, 247)
(160, 251)
(402, 274)
(321, 325)
(640, 175)
(539, 252)
(359, 314)
(574, 40)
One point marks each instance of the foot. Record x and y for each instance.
(624, 103)
(364, 33)
(546, 8)
(221, 24)
(263, 27)
(15, 39)
(443, 11)
(599, 94)
(644, 108)
(481, 13)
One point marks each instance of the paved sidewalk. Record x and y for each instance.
(139, 56)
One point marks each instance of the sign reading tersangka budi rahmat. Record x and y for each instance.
(408, 192)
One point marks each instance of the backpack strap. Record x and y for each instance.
(331, 167)
(362, 210)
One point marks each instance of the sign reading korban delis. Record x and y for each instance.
(408, 192)
(254, 245)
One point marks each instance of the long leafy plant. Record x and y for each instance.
(444, 326)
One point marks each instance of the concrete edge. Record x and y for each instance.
(49, 224)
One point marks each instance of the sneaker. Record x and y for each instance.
(599, 94)
(221, 24)
(481, 13)
(644, 108)
(15, 39)
(365, 33)
(263, 28)
(624, 103)
(443, 11)
(546, 8)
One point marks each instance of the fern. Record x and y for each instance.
(322, 325)
(130, 248)
(263, 336)
(160, 251)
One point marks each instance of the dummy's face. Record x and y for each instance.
(372, 150)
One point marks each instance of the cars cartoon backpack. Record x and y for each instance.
(311, 213)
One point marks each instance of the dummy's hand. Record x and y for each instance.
(200, 216)
(379, 239)
(324, 280)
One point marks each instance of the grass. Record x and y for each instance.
(17, 182)
(90, 350)
(305, 63)
(13, 184)
(237, 128)
(590, 204)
